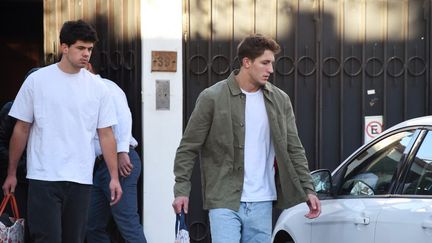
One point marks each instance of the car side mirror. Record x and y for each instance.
(322, 181)
(361, 188)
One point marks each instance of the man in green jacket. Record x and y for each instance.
(243, 128)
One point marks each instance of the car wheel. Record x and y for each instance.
(283, 237)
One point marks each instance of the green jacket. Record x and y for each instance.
(216, 133)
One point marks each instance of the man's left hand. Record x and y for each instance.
(314, 206)
(116, 191)
(125, 165)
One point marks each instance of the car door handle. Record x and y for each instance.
(427, 224)
(362, 220)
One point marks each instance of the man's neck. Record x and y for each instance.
(66, 67)
(245, 82)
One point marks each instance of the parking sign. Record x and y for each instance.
(373, 126)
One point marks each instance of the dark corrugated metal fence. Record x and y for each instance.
(341, 60)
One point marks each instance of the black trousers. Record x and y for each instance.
(57, 211)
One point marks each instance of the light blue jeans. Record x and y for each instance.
(251, 224)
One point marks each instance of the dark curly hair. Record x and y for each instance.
(75, 30)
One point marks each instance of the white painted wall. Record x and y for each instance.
(161, 22)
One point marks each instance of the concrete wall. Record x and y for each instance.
(161, 22)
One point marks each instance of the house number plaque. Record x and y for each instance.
(164, 61)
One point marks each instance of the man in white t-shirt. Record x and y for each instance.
(59, 109)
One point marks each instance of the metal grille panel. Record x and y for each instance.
(333, 53)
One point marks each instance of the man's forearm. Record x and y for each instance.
(17, 145)
(112, 167)
(109, 151)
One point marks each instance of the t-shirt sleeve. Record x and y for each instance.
(23, 105)
(107, 111)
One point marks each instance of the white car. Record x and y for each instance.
(382, 193)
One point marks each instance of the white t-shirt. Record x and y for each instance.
(259, 181)
(65, 110)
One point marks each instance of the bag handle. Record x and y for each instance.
(180, 222)
(4, 203)
(10, 197)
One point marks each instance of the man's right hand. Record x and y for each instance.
(9, 184)
(179, 203)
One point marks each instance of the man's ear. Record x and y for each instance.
(89, 67)
(246, 62)
(64, 48)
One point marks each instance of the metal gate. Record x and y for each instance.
(341, 60)
(117, 54)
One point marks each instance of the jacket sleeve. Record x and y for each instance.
(7, 124)
(191, 143)
(296, 151)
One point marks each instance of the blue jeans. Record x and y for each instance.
(251, 224)
(125, 212)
